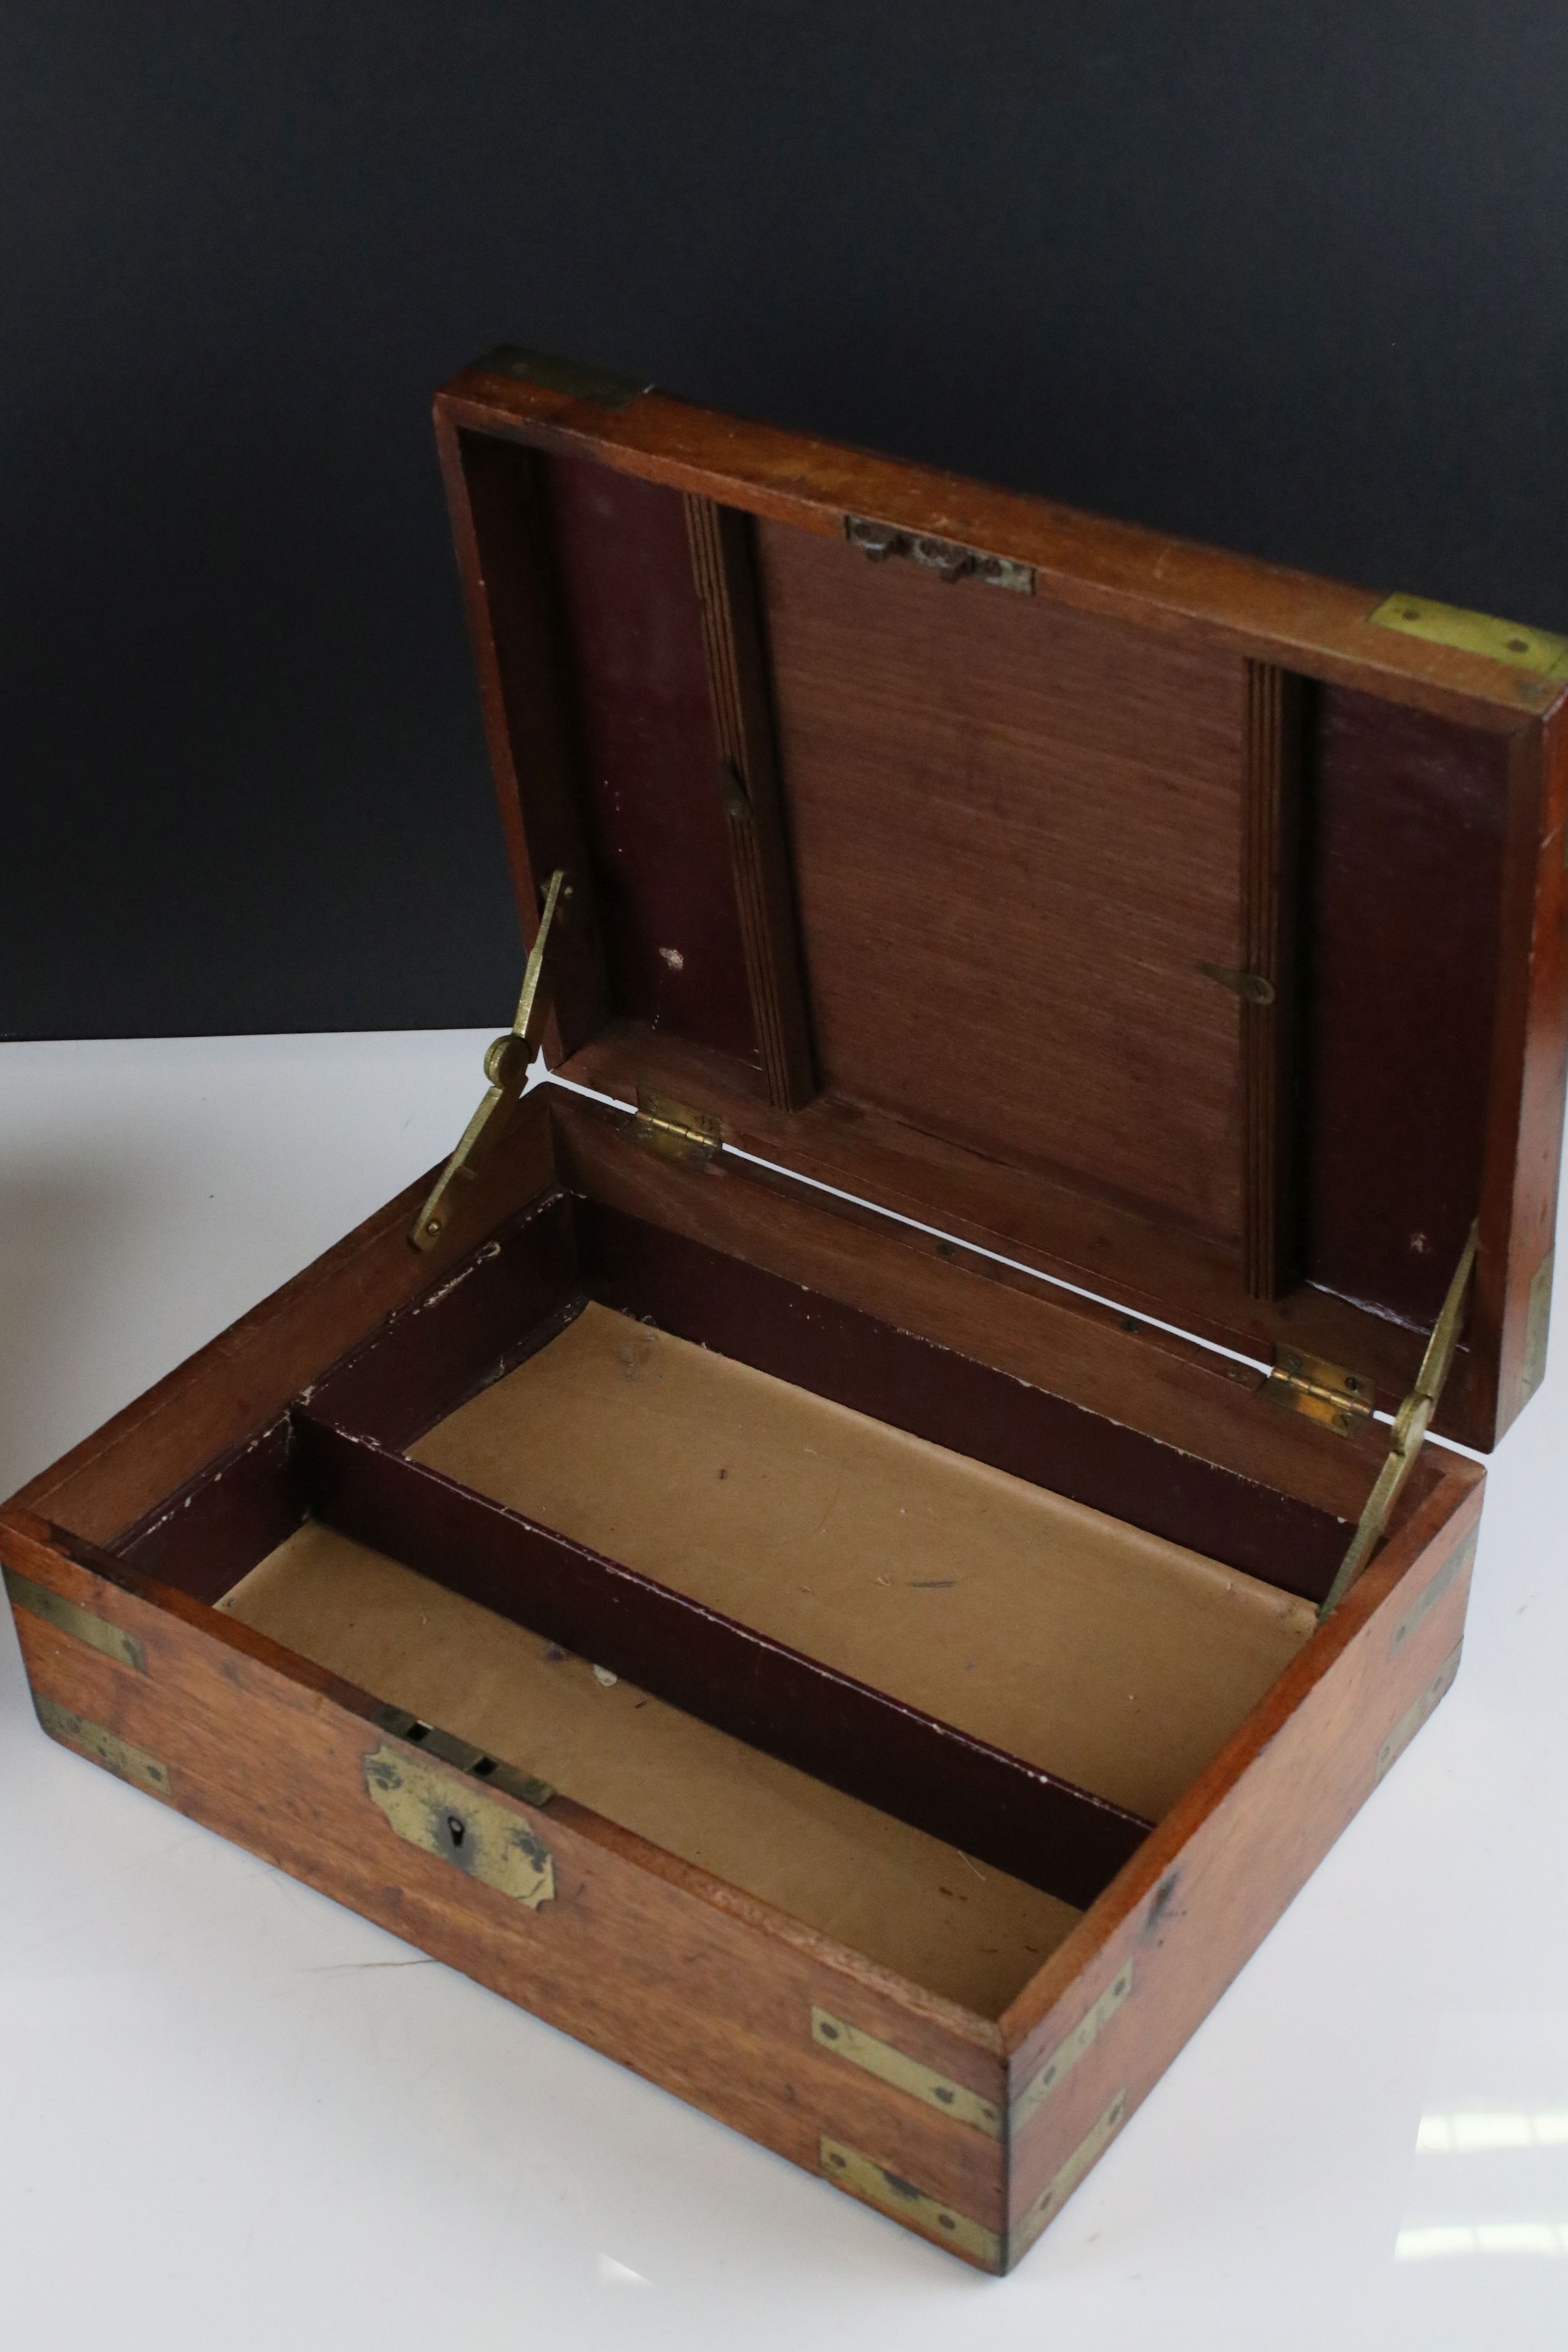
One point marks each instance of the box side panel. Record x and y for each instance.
(702, 1990)
(1113, 2009)
(1531, 1074)
(1404, 939)
(238, 1383)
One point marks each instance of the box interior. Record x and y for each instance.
(1024, 861)
(900, 1643)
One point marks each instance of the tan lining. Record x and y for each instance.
(957, 1927)
(1103, 1653)
(1116, 1659)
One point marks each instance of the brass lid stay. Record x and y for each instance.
(507, 1063)
(1410, 1426)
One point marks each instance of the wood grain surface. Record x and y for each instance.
(649, 785)
(1083, 562)
(1409, 819)
(1270, 1024)
(498, 497)
(723, 566)
(1528, 1077)
(1015, 836)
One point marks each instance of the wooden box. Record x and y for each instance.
(863, 1666)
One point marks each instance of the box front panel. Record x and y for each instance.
(710, 1995)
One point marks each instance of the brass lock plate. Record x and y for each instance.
(443, 1813)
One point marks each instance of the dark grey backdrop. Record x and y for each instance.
(1293, 277)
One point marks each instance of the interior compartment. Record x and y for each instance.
(903, 1643)
(1105, 1655)
(911, 1901)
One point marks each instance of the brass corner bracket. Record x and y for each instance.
(507, 1063)
(1410, 1426)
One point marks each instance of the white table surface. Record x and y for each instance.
(235, 2116)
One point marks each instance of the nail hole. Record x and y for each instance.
(456, 1828)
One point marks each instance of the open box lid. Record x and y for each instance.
(1185, 927)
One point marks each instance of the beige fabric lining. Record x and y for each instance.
(1105, 1655)
(1118, 1660)
(957, 1927)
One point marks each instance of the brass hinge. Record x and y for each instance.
(945, 557)
(1410, 1426)
(507, 1063)
(675, 1130)
(1326, 1392)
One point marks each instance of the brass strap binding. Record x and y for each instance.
(507, 1065)
(1410, 1426)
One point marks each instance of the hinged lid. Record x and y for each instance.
(1188, 927)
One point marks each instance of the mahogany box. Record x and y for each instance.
(854, 1550)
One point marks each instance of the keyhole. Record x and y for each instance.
(456, 1828)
